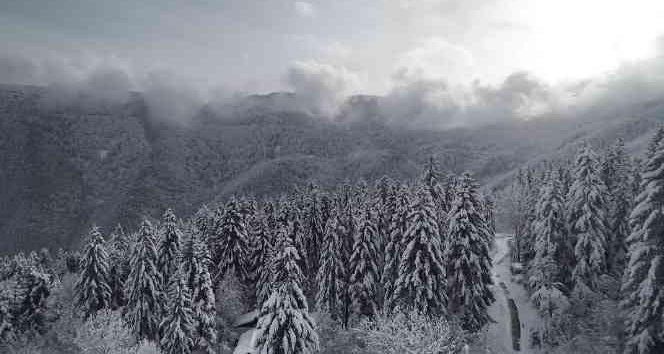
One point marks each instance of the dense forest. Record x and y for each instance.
(358, 256)
(391, 267)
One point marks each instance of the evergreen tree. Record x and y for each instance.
(545, 276)
(431, 180)
(169, 253)
(143, 286)
(178, 326)
(33, 290)
(420, 284)
(331, 274)
(93, 291)
(231, 241)
(199, 281)
(364, 270)
(284, 325)
(587, 221)
(119, 267)
(7, 330)
(467, 259)
(616, 176)
(643, 284)
(398, 205)
(653, 144)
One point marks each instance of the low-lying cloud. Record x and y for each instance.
(322, 88)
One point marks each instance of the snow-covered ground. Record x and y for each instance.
(499, 334)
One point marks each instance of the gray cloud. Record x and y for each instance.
(322, 88)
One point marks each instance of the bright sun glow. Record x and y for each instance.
(581, 38)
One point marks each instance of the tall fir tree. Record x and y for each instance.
(616, 176)
(170, 248)
(93, 291)
(196, 268)
(284, 325)
(467, 259)
(32, 291)
(143, 286)
(420, 284)
(331, 274)
(398, 205)
(231, 251)
(587, 221)
(119, 266)
(365, 275)
(643, 284)
(545, 276)
(178, 326)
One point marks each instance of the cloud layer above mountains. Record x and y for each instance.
(414, 100)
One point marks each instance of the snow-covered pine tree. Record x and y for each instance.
(196, 259)
(7, 330)
(232, 245)
(616, 176)
(284, 325)
(170, 251)
(143, 286)
(364, 271)
(587, 221)
(314, 230)
(119, 266)
(32, 291)
(432, 181)
(260, 244)
(178, 326)
(398, 205)
(643, 283)
(653, 144)
(204, 222)
(93, 291)
(382, 196)
(420, 284)
(467, 259)
(331, 274)
(545, 276)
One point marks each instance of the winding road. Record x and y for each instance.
(499, 334)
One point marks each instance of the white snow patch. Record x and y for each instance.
(245, 343)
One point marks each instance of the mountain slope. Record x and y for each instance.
(66, 167)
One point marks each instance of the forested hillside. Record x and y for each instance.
(67, 166)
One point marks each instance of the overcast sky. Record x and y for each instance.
(263, 45)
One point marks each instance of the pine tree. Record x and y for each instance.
(170, 252)
(467, 259)
(420, 284)
(199, 281)
(545, 276)
(431, 179)
(643, 284)
(616, 176)
(231, 241)
(398, 206)
(587, 222)
(7, 330)
(284, 325)
(331, 274)
(143, 286)
(364, 270)
(178, 326)
(653, 144)
(33, 290)
(119, 267)
(93, 291)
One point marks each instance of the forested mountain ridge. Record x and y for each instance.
(67, 166)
